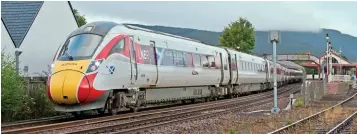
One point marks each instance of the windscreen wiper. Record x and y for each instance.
(68, 55)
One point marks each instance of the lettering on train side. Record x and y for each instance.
(66, 64)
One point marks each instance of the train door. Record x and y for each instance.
(236, 64)
(221, 62)
(133, 63)
(267, 70)
(153, 46)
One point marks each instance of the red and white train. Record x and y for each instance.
(107, 66)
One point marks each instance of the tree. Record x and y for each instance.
(80, 18)
(239, 35)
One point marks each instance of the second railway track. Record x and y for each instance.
(127, 122)
(335, 119)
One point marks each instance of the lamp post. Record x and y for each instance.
(339, 62)
(327, 56)
(274, 38)
(330, 58)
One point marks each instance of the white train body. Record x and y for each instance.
(109, 66)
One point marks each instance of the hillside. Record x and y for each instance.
(292, 42)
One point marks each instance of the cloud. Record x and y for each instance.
(91, 18)
(291, 16)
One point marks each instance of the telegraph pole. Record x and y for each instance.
(274, 38)
(17, 55)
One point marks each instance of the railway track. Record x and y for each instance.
(349, 125)
(34, 122)
(152, 117)
(149, 126)
(331, 120)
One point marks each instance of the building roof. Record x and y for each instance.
(290, 64)
(18, 16)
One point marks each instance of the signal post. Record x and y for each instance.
(274, 38)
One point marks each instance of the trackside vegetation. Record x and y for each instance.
(16, 102)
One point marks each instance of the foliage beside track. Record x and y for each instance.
(239, 35)
(16, 103)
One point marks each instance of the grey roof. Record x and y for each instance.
(290, 64)
(18, 17)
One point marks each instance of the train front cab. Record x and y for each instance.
(70, 85)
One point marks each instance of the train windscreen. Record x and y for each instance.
(80, 47)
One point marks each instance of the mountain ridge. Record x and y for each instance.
(292, 41)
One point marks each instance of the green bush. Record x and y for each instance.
(15, 104)
(232, 131)
(299, 102)
(288, 121)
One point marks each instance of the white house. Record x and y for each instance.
(36, 28)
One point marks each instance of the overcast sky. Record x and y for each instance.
(213, 16)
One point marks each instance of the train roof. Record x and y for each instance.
(97, 27)
(158, 32)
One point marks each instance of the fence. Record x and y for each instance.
(33, 84)
(340, 78)
(315, 91)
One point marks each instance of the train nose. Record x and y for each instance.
(69, 87)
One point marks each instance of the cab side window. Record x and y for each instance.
(118, 47)
(204, 61)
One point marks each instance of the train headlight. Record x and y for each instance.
(94, 65)
(51, 68)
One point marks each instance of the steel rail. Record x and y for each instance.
(119, 117)
(295, 124)
(195, 117)
(32, 122)
(188, 112)
(338, 128)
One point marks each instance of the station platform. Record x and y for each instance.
(340, 87)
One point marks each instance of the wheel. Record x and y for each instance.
(101, 111)
(206, 99)
(134, 109)
(113, 111)
(76, 114)
(192, 101)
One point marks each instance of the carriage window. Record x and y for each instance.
(233, 64)
(185, 60)
(217, 61)
(204, 61)
(179, 58)
(196, 60)
(211, 61)
(240, 65)
(169, 61)
(189, 59)
(79, 47)
(244, 66)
